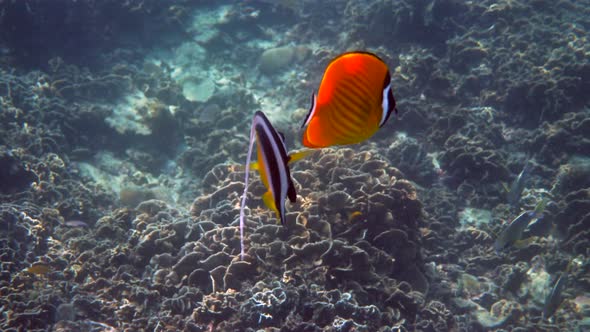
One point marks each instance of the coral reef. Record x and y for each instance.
(124, 126)
(335, 273)
(320, 244)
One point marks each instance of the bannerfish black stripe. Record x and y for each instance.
(275, 162)
(272, 165)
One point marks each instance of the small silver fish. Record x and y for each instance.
(513, 232)
(518, 185)
(554, 299)
(75, 223)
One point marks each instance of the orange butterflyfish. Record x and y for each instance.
(354, 100)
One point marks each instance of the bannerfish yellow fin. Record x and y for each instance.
(270, 202)
(242, 168)
(506, 187)
(296, 156)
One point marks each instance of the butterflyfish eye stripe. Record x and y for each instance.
(311, 111)
(385, 106)
(388, 105)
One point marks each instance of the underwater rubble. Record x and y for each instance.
(122, 150)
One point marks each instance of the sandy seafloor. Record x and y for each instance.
(133, 116)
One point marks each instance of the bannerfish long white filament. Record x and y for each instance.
(245, 194)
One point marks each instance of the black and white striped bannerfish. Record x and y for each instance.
(273, 166)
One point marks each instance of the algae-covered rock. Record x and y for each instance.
(198, 91)
(502, 313)
(275, 59)
(573, 175)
